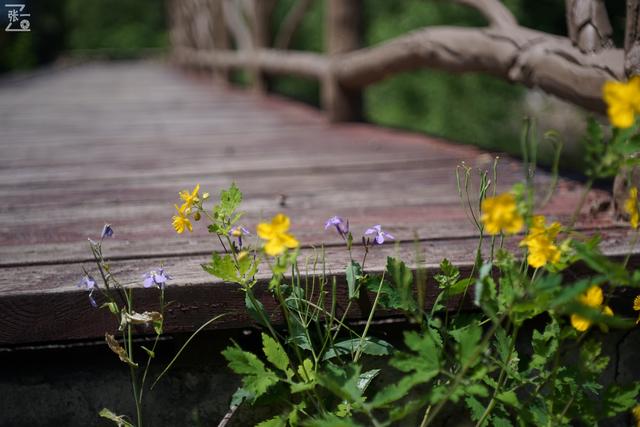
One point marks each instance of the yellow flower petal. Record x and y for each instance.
(580, 323)
(280, 223)
(593, 297)
(274, 247)
(636, 303)
(500, 215)
(265, 231)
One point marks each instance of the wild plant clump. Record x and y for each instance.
(317, 368)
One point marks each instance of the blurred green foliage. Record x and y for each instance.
(121, 28)
(108, 28)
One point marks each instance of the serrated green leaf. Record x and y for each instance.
(306, 370)
(371, 346)
(256, 378)
(275, 353)
(222, 267)
(475, 408)
(617, 399)
(426, 357)
(468, 339)
(273, 422)
(501, 422)
(544, 345)
(331, 420)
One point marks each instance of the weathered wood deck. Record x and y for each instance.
(115, 143)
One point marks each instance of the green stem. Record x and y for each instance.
(369, 320)
(501, 379)
(428, 419)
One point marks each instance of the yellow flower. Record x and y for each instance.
(180, 221)
(631, 207)
(275, 233)
(592, 298)
(636, 306)
(541, 243)
(623, 101)
(189, 198)
(500, 215)
(636, 414)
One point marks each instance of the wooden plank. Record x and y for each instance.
(48, 311)
(115, 143)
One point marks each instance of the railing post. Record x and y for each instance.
(261, 39)
(220, 38)
(343, 34)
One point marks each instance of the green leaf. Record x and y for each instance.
(544, 345)
(118, 419)
(365, 379)
(306, 371)
(353, 274)
(222, 267)
(399, 390)
(501, 422)
(273, 422)
(255, 309)
(230, 200)
(275, 353)
(331, 420)
(342, 381)
(590, 359)
(402, 279)
(449, 274)
(256, 378)
(510, 398)
(618, 399)
(468, 339)
(371, 346)
(476, 409)
(426, 358)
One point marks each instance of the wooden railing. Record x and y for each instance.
(234, 34)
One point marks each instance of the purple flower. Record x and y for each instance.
(379, 233)
(238, 231)
(340, 224)
(107, 231)
(89, 283)
(157, 278)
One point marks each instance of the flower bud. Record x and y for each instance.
(196, 216)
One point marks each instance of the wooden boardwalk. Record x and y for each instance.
(114, 143)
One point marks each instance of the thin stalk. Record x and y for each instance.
(428, 418)
(369, 320)
(501, 379)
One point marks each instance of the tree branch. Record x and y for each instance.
(291, 23)
(588, 24)
(494, 11)
(237, 26)
(632, 38)
(515, 54)
(303, 64)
